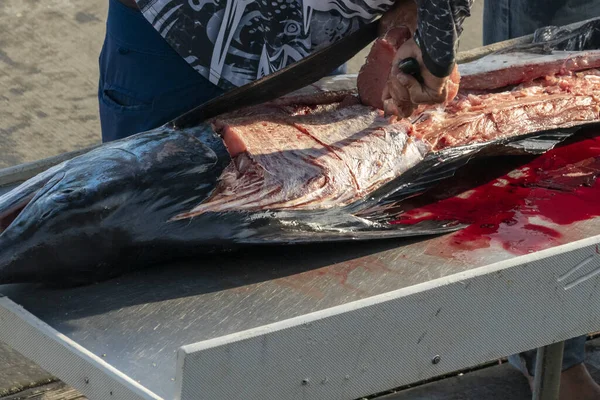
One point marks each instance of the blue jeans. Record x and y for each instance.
(523, 17)
(144, 83)
(508, 19)
(574, 355)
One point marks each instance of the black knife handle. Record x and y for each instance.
(410, 66)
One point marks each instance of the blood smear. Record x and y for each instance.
(519, 209)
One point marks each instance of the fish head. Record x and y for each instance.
(82, 217)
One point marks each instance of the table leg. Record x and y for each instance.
(546, 384)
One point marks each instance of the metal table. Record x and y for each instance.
(317, 322)
(305, 322)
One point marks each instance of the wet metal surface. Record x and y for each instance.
(137, 322)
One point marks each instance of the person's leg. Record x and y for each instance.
(572, 11)
(509, 19)
(576, 382)
(143, 82)
(496, 21)
(574, 354)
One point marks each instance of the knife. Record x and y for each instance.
(289, 79)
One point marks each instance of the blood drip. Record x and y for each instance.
(520, 209)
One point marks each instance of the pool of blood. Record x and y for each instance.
(499, 202)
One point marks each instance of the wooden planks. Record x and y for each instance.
(53, 391)
(18, 373)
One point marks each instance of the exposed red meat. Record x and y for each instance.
(402, 14)
(320, 156)
(374, 74)
(330, 156)
(544, 104)
(498, 71)
(454, 82)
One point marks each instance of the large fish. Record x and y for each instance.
(311, 167)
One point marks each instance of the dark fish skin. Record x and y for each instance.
(110, 210)
(106, 209)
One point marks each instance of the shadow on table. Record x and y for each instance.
(210, 273)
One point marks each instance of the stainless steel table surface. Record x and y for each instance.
(137, 322)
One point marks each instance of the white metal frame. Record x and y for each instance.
(64, 358)
(404, 336)
(363, 347)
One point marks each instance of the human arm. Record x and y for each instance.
(436, 27)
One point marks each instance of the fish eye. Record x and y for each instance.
(291, 28)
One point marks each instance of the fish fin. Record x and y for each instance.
(15, 200)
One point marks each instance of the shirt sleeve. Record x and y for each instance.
(439, 26)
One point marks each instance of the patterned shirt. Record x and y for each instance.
(234, 42)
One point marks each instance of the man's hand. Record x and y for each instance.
(404, 92)
(381, 84)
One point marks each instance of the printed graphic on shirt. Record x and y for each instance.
(233, 42)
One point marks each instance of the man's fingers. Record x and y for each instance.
(406, 90)
(427, 93)
(429, 89)
(398, 91)
(390, 108)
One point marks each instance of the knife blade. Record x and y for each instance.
(289, 79)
